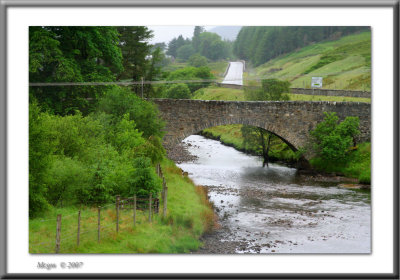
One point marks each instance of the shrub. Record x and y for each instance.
(332, 140)
(119, 101)
(178, 91)
(197, 60)
(144, 180)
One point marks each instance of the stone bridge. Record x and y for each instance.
(289, 120)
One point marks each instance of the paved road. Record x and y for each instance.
(235, 74)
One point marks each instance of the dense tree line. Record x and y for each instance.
(89, 54)
(89, 143)
(260, 44)
(207, 44)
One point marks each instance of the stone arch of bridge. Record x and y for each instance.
(267, 126)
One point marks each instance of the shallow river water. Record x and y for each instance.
(271, 210)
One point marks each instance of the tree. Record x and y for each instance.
(192, 73)
(135, 51)
(258, 44)
(178, 91)
(184, 52)
(197, 60)
(271, 89)
(175, 44)
(72, 54)
(196, 40)
(258, 139)
(120, 101)
(332, 140)
(144, 180)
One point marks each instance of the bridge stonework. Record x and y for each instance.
(290, 120)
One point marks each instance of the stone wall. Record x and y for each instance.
(290, 120)
(331, 92)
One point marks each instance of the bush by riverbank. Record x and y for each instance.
(358, 164)
(189, 215)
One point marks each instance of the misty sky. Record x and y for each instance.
(167, 33)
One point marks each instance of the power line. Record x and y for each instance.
(143, 82)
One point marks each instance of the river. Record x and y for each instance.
(273, 210)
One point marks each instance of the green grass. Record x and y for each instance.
(357, 164)
(345, 63)
(189, 215)
(306, 97)
(218, 68)
(219, 93)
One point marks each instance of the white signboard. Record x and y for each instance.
(316, 82)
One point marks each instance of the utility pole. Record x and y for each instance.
(142, 87)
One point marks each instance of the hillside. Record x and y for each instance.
(344, 64)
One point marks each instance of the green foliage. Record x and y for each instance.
(144, 180)
(134, 48)
(41, 146)
(271, 89)
(258, 44)
(184, 52)
(178, 91)
(72, 54)
(65, 177)
(88, 160)
(126, 137)
(192, 73)
(175, 44)
(119, 101)
(152, 149)
(212, 47)
(332, 140)
(189, 216)
(197, 60)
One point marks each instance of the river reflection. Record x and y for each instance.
(268, 210)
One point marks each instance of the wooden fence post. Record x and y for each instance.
(158, 170)
(98, 224)
(150, 198)
(117, 209)
(58, 234)
(79, 228)
(165, 202)
(134, 210)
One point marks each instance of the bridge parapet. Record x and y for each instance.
(290, 120)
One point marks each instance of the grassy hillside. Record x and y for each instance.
(344, 63)
(220, 93)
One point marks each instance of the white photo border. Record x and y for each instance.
(384, 140)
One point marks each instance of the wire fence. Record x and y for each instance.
(66, 233)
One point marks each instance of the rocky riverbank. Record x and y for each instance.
(179, 153)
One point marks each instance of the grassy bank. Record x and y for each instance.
(220, 93)
(344, 64)
(189, 215)
(357, 165)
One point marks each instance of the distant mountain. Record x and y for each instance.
(226, 32)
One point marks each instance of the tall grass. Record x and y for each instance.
(189, 215)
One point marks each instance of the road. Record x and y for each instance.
(235, 74)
